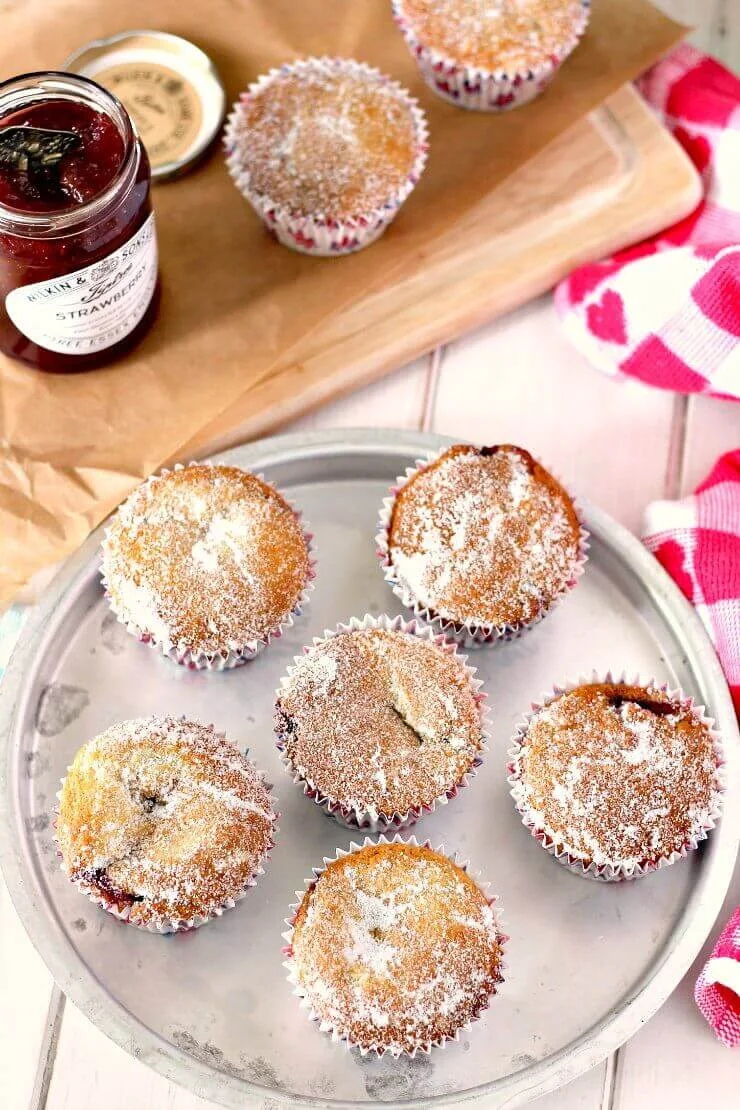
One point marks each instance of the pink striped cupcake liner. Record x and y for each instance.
(475, 87)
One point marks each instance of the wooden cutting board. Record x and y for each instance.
(613, 179)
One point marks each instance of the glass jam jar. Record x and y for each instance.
(78, 249)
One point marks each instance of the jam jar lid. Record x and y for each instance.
(170, 88)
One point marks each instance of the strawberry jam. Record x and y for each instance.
(78, 251)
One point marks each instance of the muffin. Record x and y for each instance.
(617, 779)
(326, 151)
(163, 823)
(207, 563)
(379, 724)
(480, 542)
(394, 948)
(490, 54)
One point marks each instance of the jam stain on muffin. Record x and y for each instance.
(617, 776)
(380, 721)
(395, 947)
(163, 821)
(484, 537)
(205, 560)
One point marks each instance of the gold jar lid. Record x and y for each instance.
(170, 88)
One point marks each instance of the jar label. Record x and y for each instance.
(93, 308)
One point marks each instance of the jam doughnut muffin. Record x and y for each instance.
(490, 54)
(163, 822)
(616, 779)
(481, 542)
(326, 150)
(207, 563)
(379, 724)
(394, 948)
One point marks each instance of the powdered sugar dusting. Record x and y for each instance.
(165, 817)
(510, 35)
(396, 946)
(619, 776)
(319, 139)
(484, 537)
(207, 558)
(379, 720)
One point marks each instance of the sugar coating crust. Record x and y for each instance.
(618, 775)
(485, 536)
(165, 818)
(380, 720)
(396, 946)
(206, 557)
(510, 35)
(322, 142)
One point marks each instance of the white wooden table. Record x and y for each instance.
(517, 380)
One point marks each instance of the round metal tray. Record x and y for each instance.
(587, 962)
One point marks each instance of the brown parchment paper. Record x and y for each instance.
(236, 305)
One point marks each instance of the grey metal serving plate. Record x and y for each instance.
(587, 962)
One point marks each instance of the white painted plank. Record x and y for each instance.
(713, 427)
(520, 380)
(25, 989)
(675, 1060)
(396, 401)
(92, 1072)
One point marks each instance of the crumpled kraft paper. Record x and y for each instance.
(236, 305)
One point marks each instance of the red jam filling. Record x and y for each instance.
(80, 176)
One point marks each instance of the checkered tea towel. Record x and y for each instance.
(698, 542)
(667, 311)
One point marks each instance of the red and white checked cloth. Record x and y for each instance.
(717, 990)
(698, 542)
(667, 311)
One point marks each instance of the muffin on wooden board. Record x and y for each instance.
(326, 151)
(490, 55)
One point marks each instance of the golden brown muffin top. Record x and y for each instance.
(510, 35)
(165, 816)
(397, 946)
(617, 774)
(206, 557)
(380, 720)
(484, 535)
(318, 141)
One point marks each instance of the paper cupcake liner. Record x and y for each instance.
(317, 234)
(229, 657)
(482, 89)
(174, 924)
(339, 1035)
(560, 851)
(361, 817)
(468, 634)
